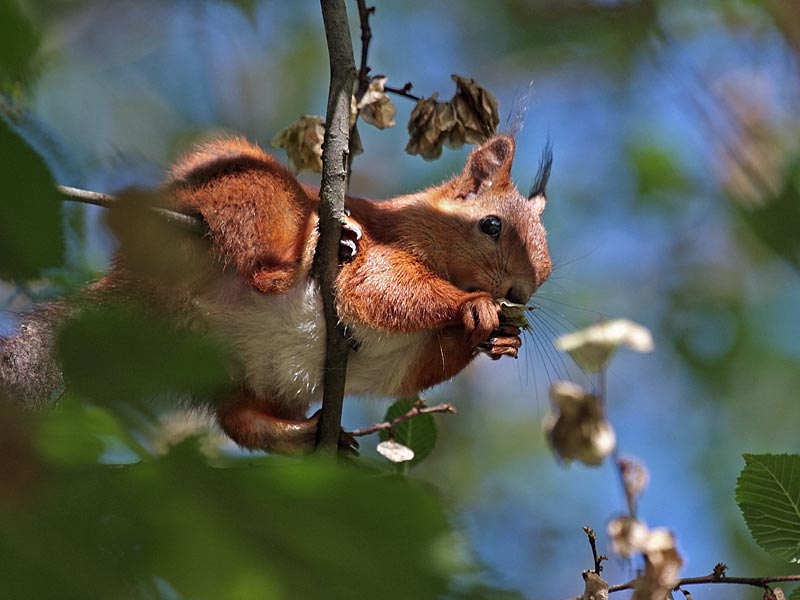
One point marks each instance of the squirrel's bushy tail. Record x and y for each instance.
(29, 372)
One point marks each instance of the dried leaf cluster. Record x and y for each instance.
(629, 536)
(470, 117)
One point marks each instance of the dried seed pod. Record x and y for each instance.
(628, 536)
(428, 126)
(578, 428)
(302, 141)
(476, 110)
(375, 106)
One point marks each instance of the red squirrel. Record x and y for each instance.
(416, 292)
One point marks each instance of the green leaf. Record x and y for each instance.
(117, 354)
(18, 42)
(795, 595)
(31, 232)
(768, 494)
(418, 433)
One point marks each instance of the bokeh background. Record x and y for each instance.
(674, 201)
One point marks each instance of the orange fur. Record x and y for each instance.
(423, 265)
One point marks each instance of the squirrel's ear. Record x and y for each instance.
(488, 165)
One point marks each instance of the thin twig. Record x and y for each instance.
(418, 409)
(760, 582)
(364, 13)
(186, 221)
(598, 558)
(403, 91)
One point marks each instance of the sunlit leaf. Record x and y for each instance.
(31, 231)
(768, 494)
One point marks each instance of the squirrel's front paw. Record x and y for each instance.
(480, 316)
(348, 244)
(503, 341)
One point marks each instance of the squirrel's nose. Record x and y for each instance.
(518, 294)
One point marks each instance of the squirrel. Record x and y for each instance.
(416, 289)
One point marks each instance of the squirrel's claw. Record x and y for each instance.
(504, 341)
(348, 445)
(351, 234)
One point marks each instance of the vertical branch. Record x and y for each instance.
(335, 154)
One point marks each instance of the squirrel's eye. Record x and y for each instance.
(491, 226)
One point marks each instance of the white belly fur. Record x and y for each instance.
(280, 343)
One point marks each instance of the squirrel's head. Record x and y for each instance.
(502, 247)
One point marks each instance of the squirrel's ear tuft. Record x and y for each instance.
(488, 165)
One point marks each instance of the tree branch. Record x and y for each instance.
(761, 582)
(332, 190)
(418, 409)
(186, 221)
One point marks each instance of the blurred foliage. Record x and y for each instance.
(777, 222)
(179, 527)
(31, 232)
(124, 354)
(18, 42)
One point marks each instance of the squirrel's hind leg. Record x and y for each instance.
(259, 424)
